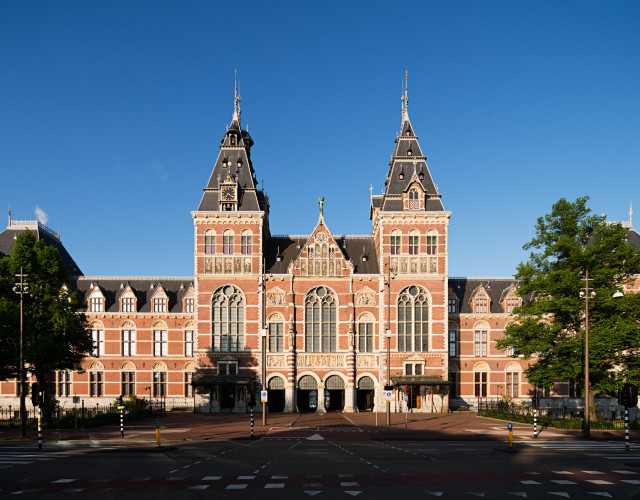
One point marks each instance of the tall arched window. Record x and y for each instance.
(228, 319)
(414, 241)
(320, 321)
(365, 333)
(276, 333)
(413, 320)
(245, 246)
(210, 242)
(227, 242)
(395, 242)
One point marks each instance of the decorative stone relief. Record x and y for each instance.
(366, 297)
(276, 297)
(276, 361)
(321, 360)
(367, 361)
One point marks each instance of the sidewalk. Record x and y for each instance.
(178, 428)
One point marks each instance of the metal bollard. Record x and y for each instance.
(510, 427)
(626, 429)
(158, 432)
(251, 423)
(121, 423)
(40, 428)
(535, 423)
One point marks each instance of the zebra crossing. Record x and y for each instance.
(29, 454)
(612, 450)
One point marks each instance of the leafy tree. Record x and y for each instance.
(549, 326)
(56, 335)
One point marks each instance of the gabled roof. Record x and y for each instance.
(42, 233)
(144, 288)
(465, 288)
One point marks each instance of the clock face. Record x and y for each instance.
(228, 194)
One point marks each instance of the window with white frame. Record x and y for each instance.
(432, 243)
(511, 304)
(228, 319)
(414, 368)
(413, 320)
(320, 320)
(453, 341)
(97, 335)
(480, 379)
(188, 342)
(510, 351)
(63, 384)
(512, 384)
(414, 242)
(188, 305)
(159, 384)
(210, 242)
(128, 341)
(159, 342)
(276, 334)
(365, 333)
(128, 304)
(159, 304)
(395, 242)
(96, 303)
(95, 383)
(481, 305)
(453, 306)
(227, 242)
(480, 343)
(128, 383)
(245, 244)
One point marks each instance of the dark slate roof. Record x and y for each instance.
(236, 157)
(633, 237)
(352, 247)
(495, 287)
(112, 288)
(408, 160)
(42, 233)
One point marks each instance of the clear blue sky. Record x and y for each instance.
(112, 113)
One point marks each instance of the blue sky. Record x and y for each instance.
(112, 114)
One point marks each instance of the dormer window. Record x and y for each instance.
(481, 305)
(96, 304)
(232, 140)
(511, 303)
(401, 175)
(128, 304)
(159, 305)
(409, 152)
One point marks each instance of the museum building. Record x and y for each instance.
(320, 321)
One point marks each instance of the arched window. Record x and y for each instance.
(413, 320)
(128, 333)
(395, 242)
(276, 333)
(414, 240)
(246, 242)
(227, 242)
(414, 203)
(228, 319)
(210, 242)
(96, 377)
(97, 335)
(159, 380)
(365, 333)
(159, 339)
(413, 194)
(320, 321)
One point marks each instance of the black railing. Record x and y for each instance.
(558, 416)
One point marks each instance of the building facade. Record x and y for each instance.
(320, 321)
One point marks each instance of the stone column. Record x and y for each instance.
(290, 387)
(351, 369)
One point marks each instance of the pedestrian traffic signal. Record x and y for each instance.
(34, 394)
(628, 396)
(534, 400)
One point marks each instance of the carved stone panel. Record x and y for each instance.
(276, 297)
(367, 361)
(366, 297)
(276, 361)
(321, 361)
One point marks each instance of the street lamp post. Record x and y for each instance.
(389, 278)
(586, 430)
(21, 288)
(263, 340)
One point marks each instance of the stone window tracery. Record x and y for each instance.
(413, 320)
(228, 319)
(320, 320)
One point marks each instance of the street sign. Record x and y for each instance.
(510, 426)
(388, 395)
(263, 396)
(406, 397)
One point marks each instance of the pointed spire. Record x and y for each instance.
(405, 98)
(236, 102)
(630, 213)
(9, 212)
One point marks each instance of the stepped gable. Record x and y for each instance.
(113, 287)
(496, 288)
(42, 233)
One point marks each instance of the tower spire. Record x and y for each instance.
(236, 101)
(630, 213)
(9, 212)
(405, 97)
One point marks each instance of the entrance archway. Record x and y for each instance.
(307, 394)
(366, 388)
(334, 393)
(275, 400)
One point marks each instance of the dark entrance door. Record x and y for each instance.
(275, 389)
(307, 394)
(365, 394)
(227, 396)
(334, 393)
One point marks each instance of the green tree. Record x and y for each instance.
(549, 326)
(56, 334)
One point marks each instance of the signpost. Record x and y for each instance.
(510, 428)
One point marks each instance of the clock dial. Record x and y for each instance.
(228, 194)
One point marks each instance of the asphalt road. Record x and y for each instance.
(321, 461)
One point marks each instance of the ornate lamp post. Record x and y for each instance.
(21, 288)
(388, 283)
(586, 430)
(263, 338)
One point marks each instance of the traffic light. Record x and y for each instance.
(534, 400)
(34, 394)
(628, 396)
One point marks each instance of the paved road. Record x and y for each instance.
(327, 456)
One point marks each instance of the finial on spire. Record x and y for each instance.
(321, 205)
(236, 101)
(371, 191)
(630, 213)
(9, 212)
(405, 97)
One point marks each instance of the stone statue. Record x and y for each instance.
(321, 205)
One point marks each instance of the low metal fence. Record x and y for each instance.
(558, 416)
